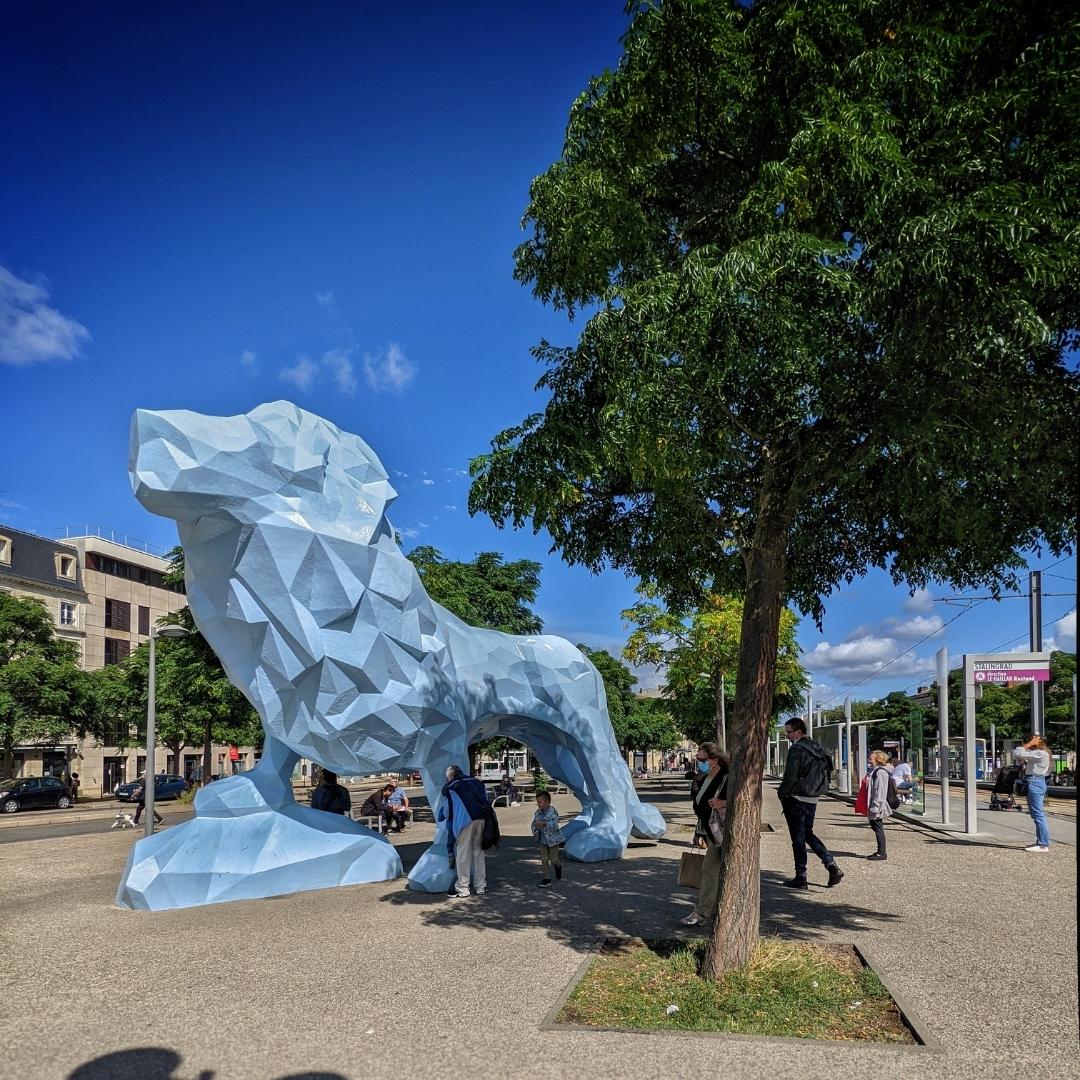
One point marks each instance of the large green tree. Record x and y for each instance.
(699, 651)
(828, 250)
(44, 694)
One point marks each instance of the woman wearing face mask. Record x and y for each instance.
(709, 793)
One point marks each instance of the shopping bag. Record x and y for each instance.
(690, 869)
(862, 800)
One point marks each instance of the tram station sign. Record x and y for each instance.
(1000, 669)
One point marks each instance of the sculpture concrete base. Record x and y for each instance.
(255, 853)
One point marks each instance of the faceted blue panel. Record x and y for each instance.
(295, 579)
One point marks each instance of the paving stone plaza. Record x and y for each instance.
(977, 938)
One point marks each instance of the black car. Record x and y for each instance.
(33, 792)
(166, 786)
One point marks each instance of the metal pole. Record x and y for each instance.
(943, 729)
(1038, 724)
(809, 713)
(847, 742)
(971, 824)
(993, 751)
(151, 739)
(864, 749)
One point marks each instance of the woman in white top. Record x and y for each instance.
(1034, 755)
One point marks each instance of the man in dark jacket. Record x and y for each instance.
(806, 778)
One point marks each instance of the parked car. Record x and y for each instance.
(33, 792)
(166, 786)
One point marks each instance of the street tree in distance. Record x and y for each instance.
(699, 652)
(828, 251)
(45, 695)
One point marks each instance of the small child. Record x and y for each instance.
(545, 827)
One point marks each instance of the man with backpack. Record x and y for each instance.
(806, 779)
(465, 808)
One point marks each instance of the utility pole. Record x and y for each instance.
(809, 713)
(943, 728)
(1038, 718)
(849, 761)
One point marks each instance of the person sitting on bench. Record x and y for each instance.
(376, 805)
(506, 788)
(398, 803)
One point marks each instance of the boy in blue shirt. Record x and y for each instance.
(545, 827)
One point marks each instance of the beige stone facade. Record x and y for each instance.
(105, 597)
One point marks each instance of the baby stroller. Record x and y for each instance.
(1002, 798)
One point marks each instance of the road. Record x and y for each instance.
(77, 827)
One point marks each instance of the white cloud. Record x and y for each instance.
(389, 372)
(339, 365)
(302, 374)
(861, 657)
(922, 600)
(10, 504)
(326, 300)
(454, 472)
(31, 331)
(427, 483)
(451, 508)
(249, 360)
(918, 626)
(399, 473)
(406, 533)
(1064, 634)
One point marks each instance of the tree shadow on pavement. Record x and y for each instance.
(157, 1063)
(793, 913)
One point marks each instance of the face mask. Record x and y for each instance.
(704, 766)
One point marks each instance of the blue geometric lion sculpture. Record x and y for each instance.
(295, 579)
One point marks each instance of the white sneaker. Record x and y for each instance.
(1037, 847)
(693, 919)
(461, 895)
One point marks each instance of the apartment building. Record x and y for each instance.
(105, 596)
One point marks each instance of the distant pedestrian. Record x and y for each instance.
(138, 796)
(330, 797)
(464, 806)
(806, 779)
(1034, 755)
(545, 828)
(709, 795)
(73, 787)
(877, 801)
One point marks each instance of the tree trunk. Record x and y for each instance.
(207, 753)
(735, 931)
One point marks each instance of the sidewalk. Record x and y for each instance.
(980, 939)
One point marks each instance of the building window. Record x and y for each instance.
(66, 566)
(5, 550)
(117, 615)
(68, 613)
(116, 650)
(144, 620)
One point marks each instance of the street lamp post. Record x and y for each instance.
(171, 631)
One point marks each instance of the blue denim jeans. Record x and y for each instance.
(800, 823)
(1036, 793)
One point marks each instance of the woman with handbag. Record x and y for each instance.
(1034, 755)
(710, 801)
(878, 807)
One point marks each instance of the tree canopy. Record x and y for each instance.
(486, 592)
(44, 693)
(828, 251)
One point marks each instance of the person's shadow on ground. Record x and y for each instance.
(157, 1063)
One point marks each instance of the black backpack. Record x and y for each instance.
(815, 780)
(491, 835)
(891, 795)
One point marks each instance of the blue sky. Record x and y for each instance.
(209, 206)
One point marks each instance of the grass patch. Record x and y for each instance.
(788, 988)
